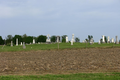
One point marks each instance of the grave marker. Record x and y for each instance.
(17, 42)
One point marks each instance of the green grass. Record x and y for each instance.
(80, 76)
(55, 46)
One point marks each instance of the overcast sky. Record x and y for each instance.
(60, 17)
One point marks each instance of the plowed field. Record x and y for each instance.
(60, 61)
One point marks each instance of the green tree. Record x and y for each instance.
(29, 39)
(20, 39)
(106, 39)
(1, 41)
(24, 38)
(77, 39)
(87, 40)
(41, 38)
(90, 37)
(53, 38)
(9, 39)
(64, 38)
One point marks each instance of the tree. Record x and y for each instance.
(1, 41)
(106, 39)
(64, 38)
(53, 38)
(20, 39)
(90, 37)
(9, 39)
(29, 39)
(86, 40)
(24, 38)
(41, 38)
(77, 39)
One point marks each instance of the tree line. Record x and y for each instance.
(29, 39)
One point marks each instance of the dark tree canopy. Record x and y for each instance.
(77, 39)
(41, 38)
(1, 41)
(9, 39)
(20, 39)
(64, 38)
(90, 37)
(53, 38)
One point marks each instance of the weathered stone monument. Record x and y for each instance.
(17, 42)
(33, 41)
(11, 43)
(73, 38)
(48, 38)
(103, 39)
(112, 40)
(21, 43)
(67, 39)
(24, 45)
(58, 39)
(108, 40)
(71, 42)
(99, 42)
(117, 42)
(91, 41)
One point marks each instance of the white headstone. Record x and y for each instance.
(67, 39)
(11, 43)
(33, 41)
(117, 42)
(48, 38)
(71, 42)
(112, 40)
(103, 39)
(99, 42)
(24, 45)
(58, 38)
(17, 42)
(91, 41)
(73, 38)
(21, 43)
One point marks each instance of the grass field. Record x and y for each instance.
(81, 76)
(55, 46)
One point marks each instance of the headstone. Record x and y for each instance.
(108, 40)
(99, 42)
(58, 39)
(103, 39)
(67, 40)
(48, 38)
(38, 42)
(17, 42)
(73, 38)
(21, 43)
(112, 40)
(11, 43)
(24, 45)
(91, 41)
(117, 42)
(33, 41)
(83, 41)
(71, 42)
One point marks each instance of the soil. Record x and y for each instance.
(60, 61)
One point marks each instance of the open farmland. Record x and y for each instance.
(62, 61)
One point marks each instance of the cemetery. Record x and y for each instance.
(60, 57)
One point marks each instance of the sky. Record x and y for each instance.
(60, 17)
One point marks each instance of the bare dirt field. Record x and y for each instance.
(60, 61)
